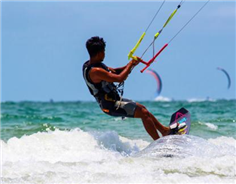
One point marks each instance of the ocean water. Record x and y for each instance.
(75, 142)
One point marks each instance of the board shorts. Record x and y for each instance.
(123, 108)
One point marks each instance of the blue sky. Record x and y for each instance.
(43, 48)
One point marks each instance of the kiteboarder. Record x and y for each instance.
(100, 81)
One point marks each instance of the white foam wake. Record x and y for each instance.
(105, 157)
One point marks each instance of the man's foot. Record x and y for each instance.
(166, 131)
(177, 128)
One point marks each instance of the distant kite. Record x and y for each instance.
(158, 79)
(227, 75)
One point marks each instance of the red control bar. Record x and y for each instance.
(151, 60)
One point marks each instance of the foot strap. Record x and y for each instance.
(176, 128)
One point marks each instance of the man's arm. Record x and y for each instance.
(120, 69)
(117, 70)
(98, 74)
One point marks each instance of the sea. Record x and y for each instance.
(75, 142)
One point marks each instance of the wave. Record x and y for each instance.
(189, 146)
(210, 126)
(167, 99)
(66, 146)
(163, 99)
(201, 100)
(77, 156)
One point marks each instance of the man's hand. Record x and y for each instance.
(135, 61)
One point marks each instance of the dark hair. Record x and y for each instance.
(95, 45)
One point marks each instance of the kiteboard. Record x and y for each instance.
(180, 122)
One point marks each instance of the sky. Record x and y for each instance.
(43, 48)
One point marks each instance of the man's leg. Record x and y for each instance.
(161, 128)
(129, 108)
(148, 123)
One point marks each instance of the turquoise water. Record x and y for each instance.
(76, 142)
(209, 119)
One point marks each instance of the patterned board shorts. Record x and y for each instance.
(123, 108)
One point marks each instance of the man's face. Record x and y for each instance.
(101, 55)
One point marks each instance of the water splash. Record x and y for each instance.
(183, 146)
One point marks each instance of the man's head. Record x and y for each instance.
(96, 47)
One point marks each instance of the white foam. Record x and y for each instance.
(212, 126)
(111, 141)
(224, 141)
(200, 100)
(105, 157)
(162, 99)
(209, 126)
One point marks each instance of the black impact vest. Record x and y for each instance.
(101, 89)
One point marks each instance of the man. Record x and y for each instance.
(99, 79)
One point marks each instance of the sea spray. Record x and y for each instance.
(75, 142)
(77, 156)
